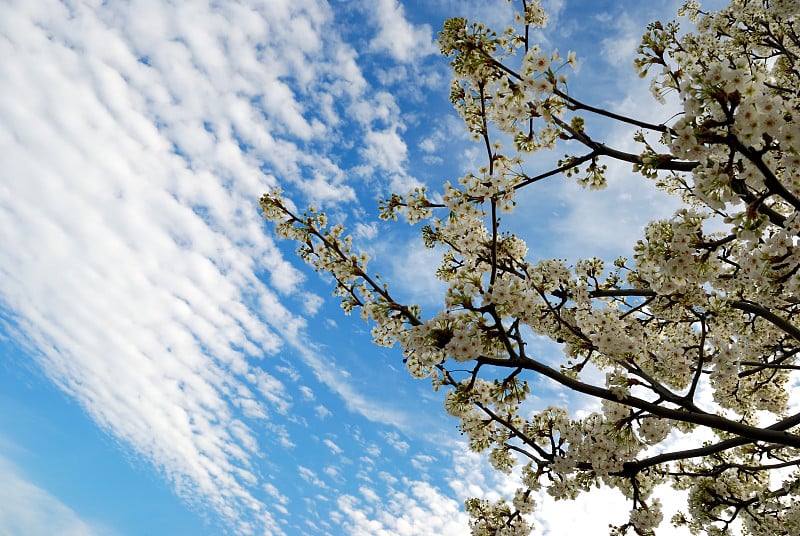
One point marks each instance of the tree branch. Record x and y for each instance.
(635, 467)
(715, 422)
(768, 315)
(665, 161)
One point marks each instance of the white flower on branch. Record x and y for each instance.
(695, 311)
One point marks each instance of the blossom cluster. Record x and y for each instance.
(707, 304)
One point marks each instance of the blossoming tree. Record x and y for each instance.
(696, 334)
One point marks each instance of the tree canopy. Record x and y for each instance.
(696, 334)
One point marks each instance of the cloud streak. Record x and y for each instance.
(27, 509)
(136, 138)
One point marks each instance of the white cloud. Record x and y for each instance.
(136, 138)
(311, 303)
(445, 135)
(385, 149)
(26, 509)
(338, 382)
(413, 274)
(383, 108)
(495, 15)
(369, 494)
(422, 461)
(307, 392)
(322, 412)
(333, 472)
(428, 145)
(311, 477)
(415, 508)
(620, 47)
(336, 449)
(365, 231)
(393, 439)
(272, 389)
(404, 41)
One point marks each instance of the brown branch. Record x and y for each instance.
(635, 467)
(575, 102)
(770, 180)
(573, 162)
(715, 471)
(665, 161)
(616, 292)
(742, 305)
(746, 432)
(611, 115)
(766, 314)
(760, 366)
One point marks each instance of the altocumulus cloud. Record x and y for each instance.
(28, 509)
(136, 138)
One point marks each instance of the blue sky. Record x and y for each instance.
(166, 366)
